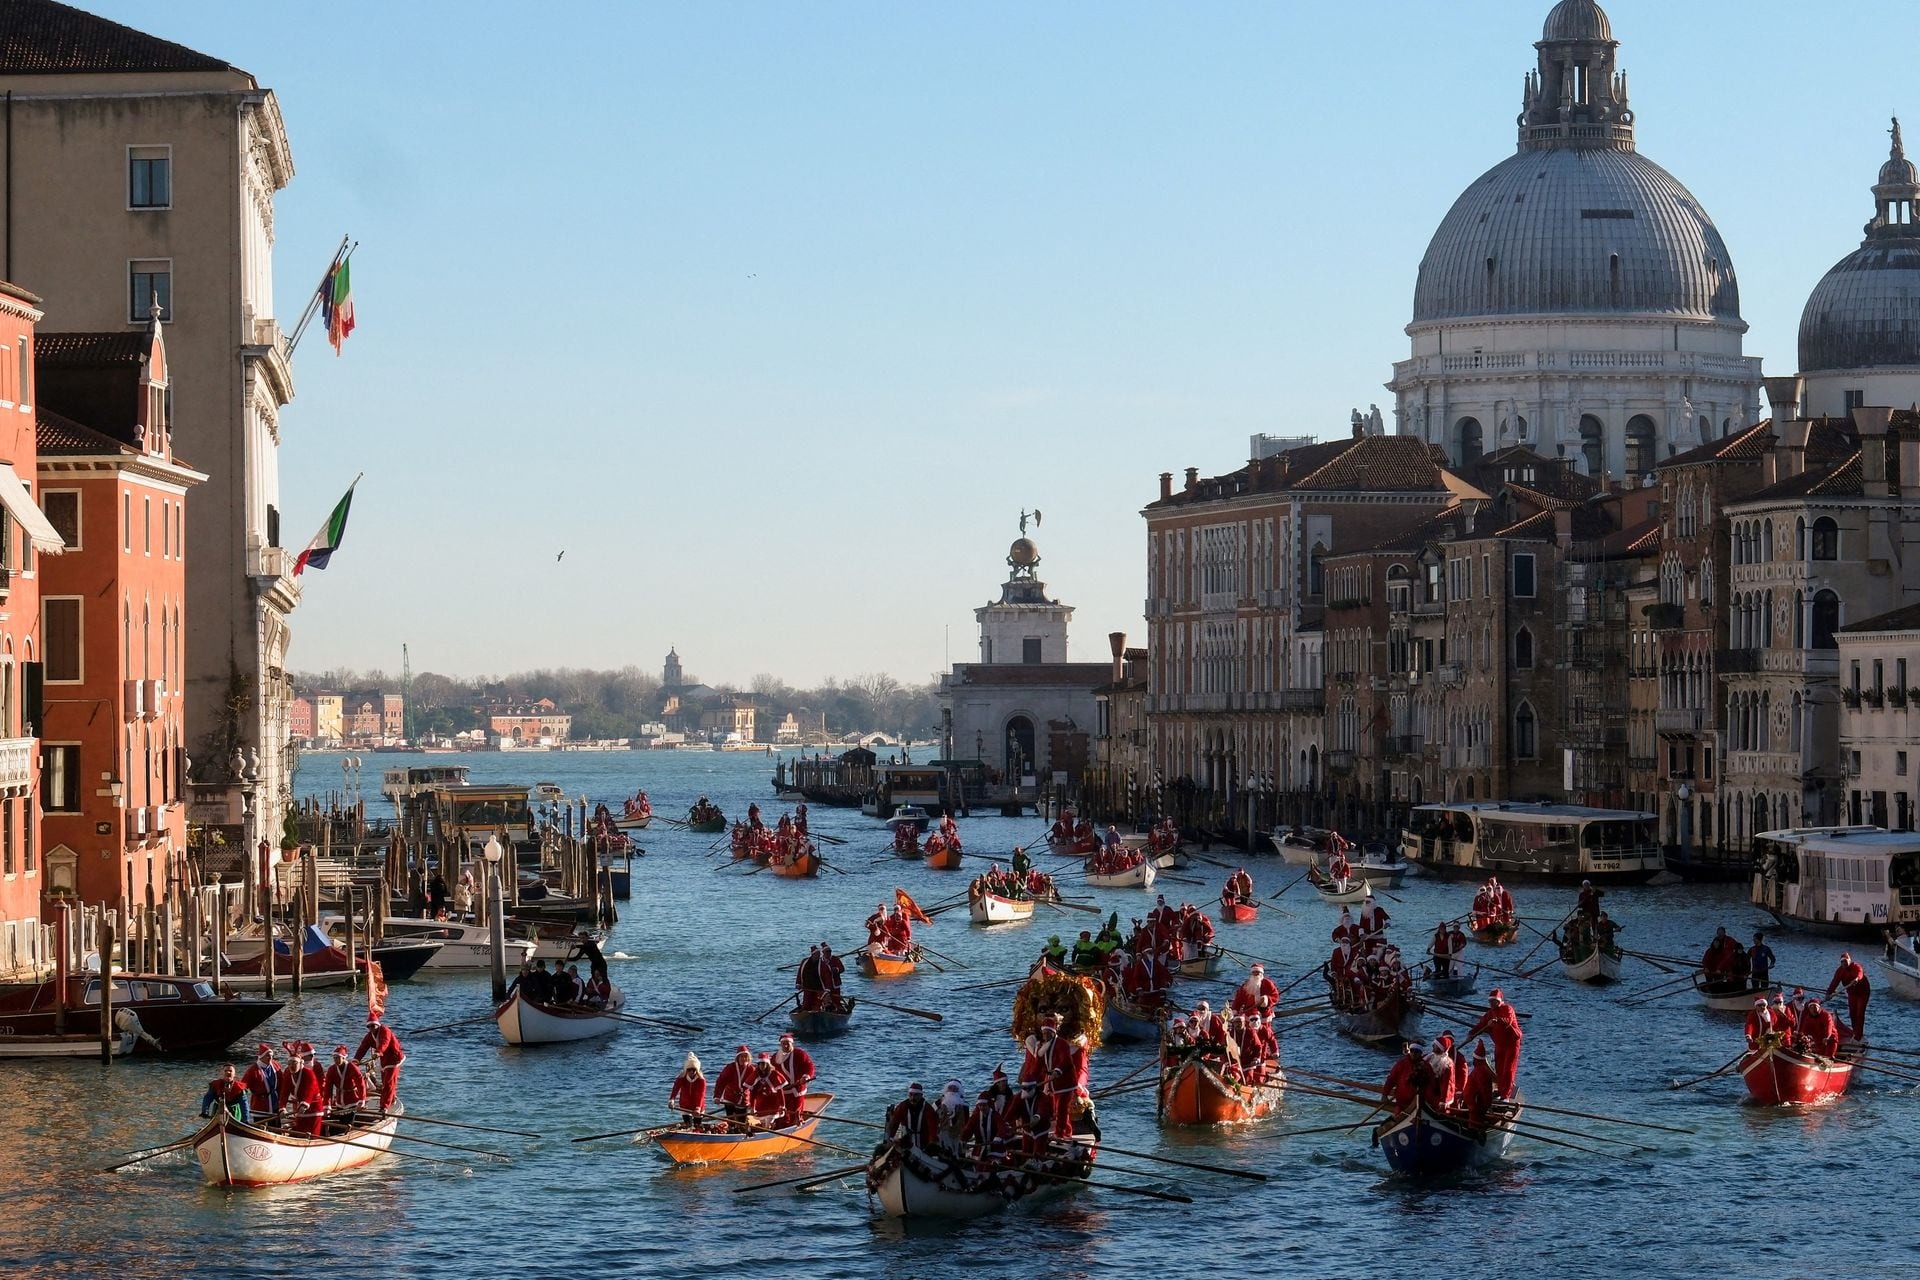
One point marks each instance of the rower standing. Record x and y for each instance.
(385, 1046)
(226, 1093)
(1759, 963)
(265, 1082)
(796, 1064)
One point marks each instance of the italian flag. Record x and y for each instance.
(336, 303)
(328, 539)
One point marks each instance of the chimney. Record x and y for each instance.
(1193, 478)
(1788, 457)
(1563, 526)
(1784, 394)
(1166, 485)
(1118, 641)
(1870, 422)
(1909, 465)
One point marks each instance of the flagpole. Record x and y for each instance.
(347, 245)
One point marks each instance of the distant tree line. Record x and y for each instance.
(615, 704)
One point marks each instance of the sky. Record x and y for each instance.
(750, 329)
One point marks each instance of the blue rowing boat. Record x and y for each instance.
(821, 1022)
(1424, 1143)
(1126, 1021)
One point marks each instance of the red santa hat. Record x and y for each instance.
(765, 1060)
(1479, 1048)
(373, 1019)
(1760, 1002)
(263, 1050)
(1494, 997)
(999, 1073)
(340, 1051)
(743, 1052)
(1259, 968)
(1846, 957)
(786, 1037)
(914, 1090)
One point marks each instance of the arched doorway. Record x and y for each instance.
(1019, 748)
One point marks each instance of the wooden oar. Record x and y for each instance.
(1325, 1128)
(628, 1133)
(1002, 982)
(1556, 1142)
(807, 1179)
(1544, 939)
(1592, 1115)
(777, 1008)
(1527, 1126)
(500, 1156)
(464, 1022)
(826, 839)
(1121, 1187)
(687, 1027)
(1116, 1091)
(1860, 1065)
(1728, 1066)
(1652, 960)
(1880, 1048)
(858, 1124)
(1247, 1174)
(144, 1156)
(901, 1008)
(406, 1155)
(949, 959)
(1284, 888)
(455, 1124)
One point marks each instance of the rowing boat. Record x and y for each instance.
(1195, 1094)
(991, 908)
(725, 1146)
(523, 1022)
(1235, 912)
(1598, 965)
(1339, 893)
(1780, 1077)
(1200, 962)
(1428, 1143)
(1498, 933)
(887, 964)
(803, 864)
(1128, 1021)
(1386, 1024)
(1459, 983)
(921, 1185)
(943, 855)
(1138, 876)
(821, 1022)
(1731, 995)
(236, 1154)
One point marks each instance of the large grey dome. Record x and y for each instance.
(1865, 312)
(1576, 230)
(1577, 20)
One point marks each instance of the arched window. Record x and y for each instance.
(1641, 454)
(1793, 726)
(1523, 649)
(1593, 443)
(1826, 619)
(1766, 542)
(1706, 582)
(1800, 538)
(1826, 539)
(1799, 620)
(1526, 744)
(1471, 442)
(1766, 621)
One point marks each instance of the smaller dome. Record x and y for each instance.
(1898, 172)
(1577, 20)
(1023, 553)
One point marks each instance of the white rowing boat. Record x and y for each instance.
(1596, 966)
(233, 1154)
(523, 1022)
(1139, 876)
(991, 908)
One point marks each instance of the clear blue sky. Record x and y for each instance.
(773, 316)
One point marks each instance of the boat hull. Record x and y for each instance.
(711, 827)
(1426, 1144)
(1239, 912)
(1901, 979)
(1731, 997)
(689, 1146)
(1496, 935)
(947, 859)
(821, 1022)
(991, 908)
(1196, 1095)
(1140, 877)
(1355, 892)
(886, 964)
(1382, 1027)
(232, 1154)
(1126, 1022)
(1597, 967)
(805, 866)
(524, 1023)
(1777, 1077)
(1451, 988)
(902, 1192)
(633, 824)
(1203, 963)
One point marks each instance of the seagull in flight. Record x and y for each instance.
(562, 556)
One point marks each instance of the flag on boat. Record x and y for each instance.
(376, 989)
(327, 541)
(910, 907)
(336, 302)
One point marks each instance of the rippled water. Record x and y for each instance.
(1751, 1193)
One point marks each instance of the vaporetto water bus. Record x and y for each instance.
(1556, 843)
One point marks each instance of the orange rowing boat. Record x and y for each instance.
(886, 964)
(701, 1146)
(1193, 1093)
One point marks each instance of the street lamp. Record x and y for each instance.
(1684, 794)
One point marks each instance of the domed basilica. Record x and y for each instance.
(1576, 299)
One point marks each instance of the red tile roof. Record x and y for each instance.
(60, 436)
(90, 350)
(40, 37)
(1842, 481)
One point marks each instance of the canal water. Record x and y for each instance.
(1749, 1193)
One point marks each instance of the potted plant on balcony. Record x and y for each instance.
(1850, 696)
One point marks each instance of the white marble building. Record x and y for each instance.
(1576, 299)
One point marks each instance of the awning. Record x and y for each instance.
(21, 506)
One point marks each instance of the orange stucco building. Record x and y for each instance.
(112, 609)
(26, 541)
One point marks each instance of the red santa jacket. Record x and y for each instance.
(797, 1066)
(1500, 1024)
(915, 1120)
(381, 1042)
(1404, 1080)
(1256, 993)
(305, 1091)
(688, 1094)
(733, 1087)
(345, 1085)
